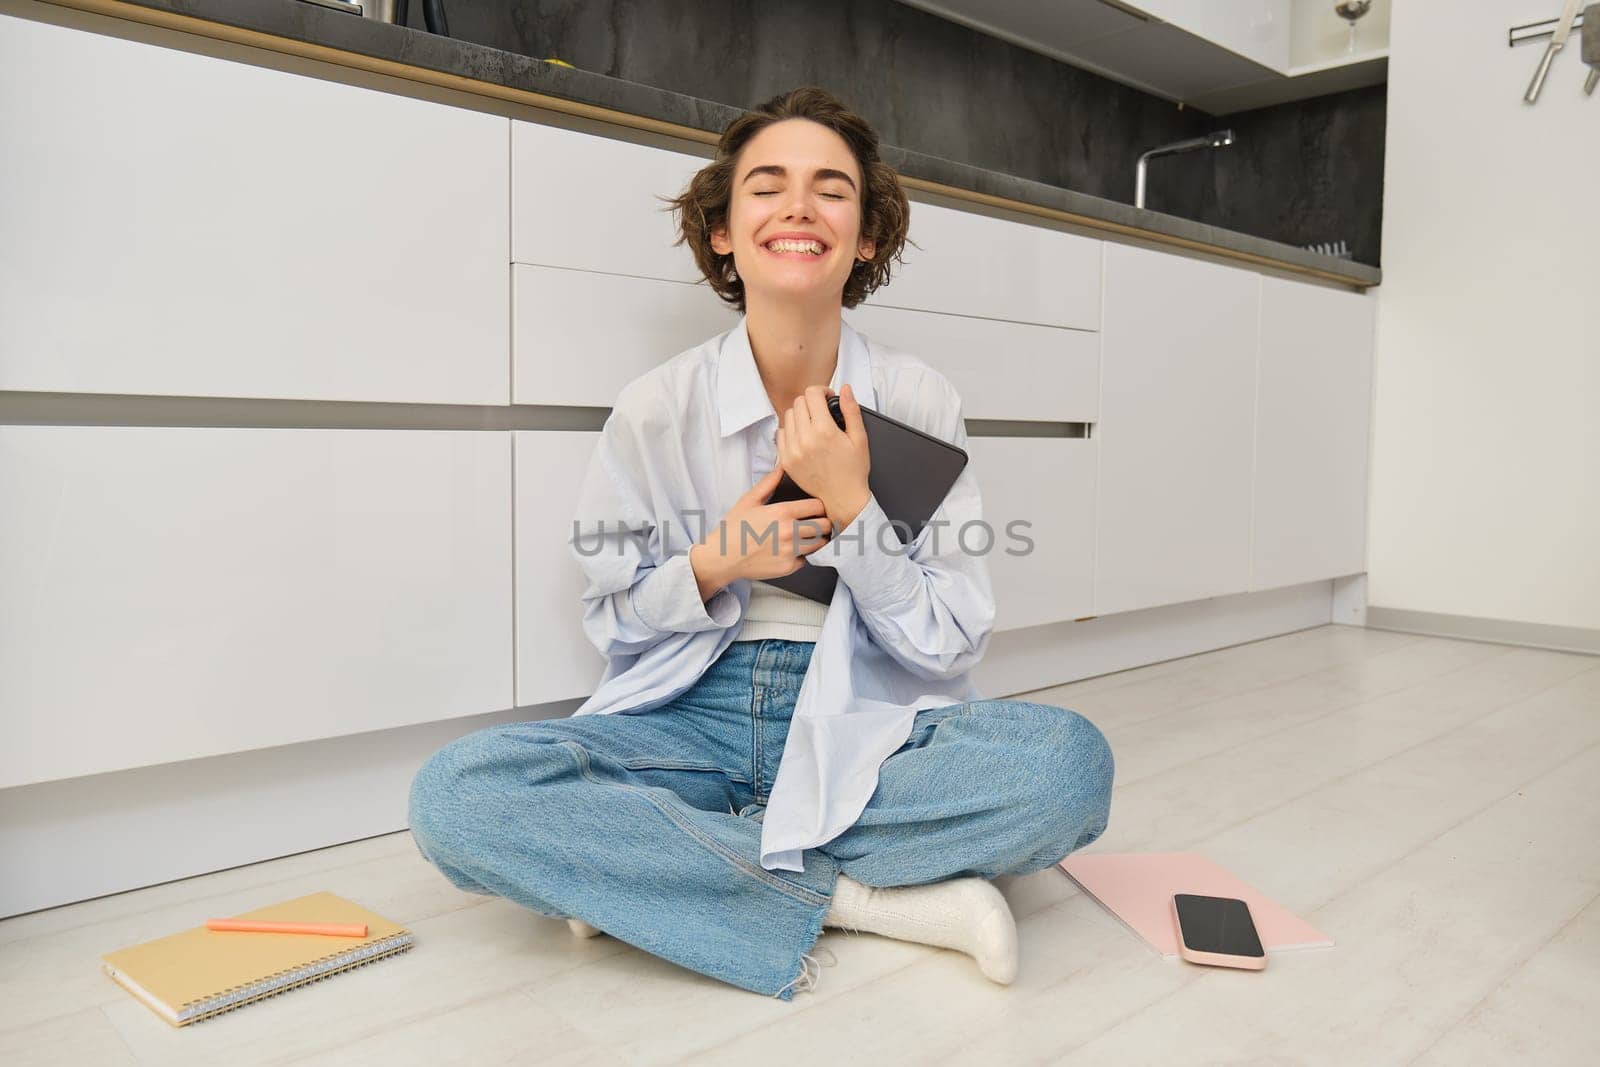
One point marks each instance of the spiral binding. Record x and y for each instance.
(283, 981)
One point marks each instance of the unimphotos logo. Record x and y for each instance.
(975, 537)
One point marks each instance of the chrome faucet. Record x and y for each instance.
(1218, 139)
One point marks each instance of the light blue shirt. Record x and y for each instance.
(905, 626)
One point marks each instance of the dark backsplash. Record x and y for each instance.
(1301, 173)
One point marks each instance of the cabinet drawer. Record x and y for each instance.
(1003, 370)
(555, 660)
(579, 337)
(173, 593)
(969, 264)
(591, 202)
(179, 224)
(1048, 484)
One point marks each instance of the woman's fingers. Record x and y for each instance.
(816, 403)
(765, 487)
(801, 509)
(799, 414)
(854, 427)
(817, 527)
(809, 547)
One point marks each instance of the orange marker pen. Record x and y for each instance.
(257, 926)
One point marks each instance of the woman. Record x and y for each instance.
(782, 765)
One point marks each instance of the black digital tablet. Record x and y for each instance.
(911, 474)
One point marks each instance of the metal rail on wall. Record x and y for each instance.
(1559, 30)
(1533, 31)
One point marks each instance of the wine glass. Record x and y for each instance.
(1351, 11)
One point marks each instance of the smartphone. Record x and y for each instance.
(1217, 931)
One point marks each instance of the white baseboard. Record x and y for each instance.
(1495, 631)
(1350, 600)
(78, 838)
(1020, 661)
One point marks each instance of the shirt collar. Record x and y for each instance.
(742, 398)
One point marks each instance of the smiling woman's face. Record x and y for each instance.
(794, 216)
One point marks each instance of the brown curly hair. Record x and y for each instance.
(885, 212)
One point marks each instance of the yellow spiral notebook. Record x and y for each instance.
(198, 973)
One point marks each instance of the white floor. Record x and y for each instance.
(1434, 805)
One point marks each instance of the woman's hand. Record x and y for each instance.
(759, 540)
(829, 463)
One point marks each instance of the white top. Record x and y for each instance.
(905, 626)
(774, 612)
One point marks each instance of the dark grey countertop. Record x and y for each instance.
(309, 24)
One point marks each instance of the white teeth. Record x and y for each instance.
(813, 247)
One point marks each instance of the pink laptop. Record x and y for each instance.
(1137, 887)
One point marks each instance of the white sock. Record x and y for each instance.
(583, 929)
(966, 914)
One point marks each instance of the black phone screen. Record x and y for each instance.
(1217, 924)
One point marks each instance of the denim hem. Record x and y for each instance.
(812, 934)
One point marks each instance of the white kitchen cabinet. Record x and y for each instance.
(181, 224)
(579, 337)
(172, 593)
(1258, 30)
(1038, 499)
(1313, 412)
(969, 264)
(1003, 370)
(1218, 56)
(1176, 430)
(593, 203)
(555, 660)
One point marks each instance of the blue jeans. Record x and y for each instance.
(647, 825)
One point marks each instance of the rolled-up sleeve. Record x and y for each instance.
(930, 604)
(640, 586)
